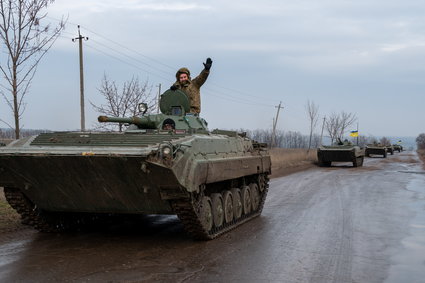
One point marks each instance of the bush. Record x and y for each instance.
(420, 141)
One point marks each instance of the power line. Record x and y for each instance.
(227, 96)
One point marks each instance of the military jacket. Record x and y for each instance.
(192, 89)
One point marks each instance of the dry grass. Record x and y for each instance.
(9, 218)
(421, 153)
(290, 160)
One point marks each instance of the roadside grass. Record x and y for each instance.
(421, 153)
(9, 218)
(286, 161)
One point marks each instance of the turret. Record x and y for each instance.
(174, 106)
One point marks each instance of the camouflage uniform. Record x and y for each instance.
(192, 88)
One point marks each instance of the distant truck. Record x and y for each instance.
(376, 149)
(342, 152)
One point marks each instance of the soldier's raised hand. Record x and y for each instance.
(207, 64)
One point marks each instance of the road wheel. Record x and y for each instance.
(237, 203)
(206, 213)
(246, 200)
(217, 209)
(255, 196)
(228, 206)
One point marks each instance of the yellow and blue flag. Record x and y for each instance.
(354, 133)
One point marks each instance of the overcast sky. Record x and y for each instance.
(365, 57)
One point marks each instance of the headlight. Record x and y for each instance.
(143, 107)
(166, 150)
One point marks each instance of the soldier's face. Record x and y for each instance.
(183, 78)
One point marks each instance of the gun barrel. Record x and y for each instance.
(129, 120)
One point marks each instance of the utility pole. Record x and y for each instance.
(80, 45)
(323, 126)
(159, 96)
(275, 123)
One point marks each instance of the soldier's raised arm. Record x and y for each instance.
(202, 77)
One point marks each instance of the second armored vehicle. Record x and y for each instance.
(167, 163)
(398, 147)
(340, 153)
(376, 149)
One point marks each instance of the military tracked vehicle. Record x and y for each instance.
(390, 149)
(341, 152)
(376, 149)
(167, 163)
(398, 147)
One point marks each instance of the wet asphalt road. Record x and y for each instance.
(338, 224)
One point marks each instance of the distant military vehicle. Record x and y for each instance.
(398, 147)
(390, 149)
(167, 163)
(376, 149)
(340, 152)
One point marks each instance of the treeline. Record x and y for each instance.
(420, 141)
(283, 139)
(295, 139)
(9, 134)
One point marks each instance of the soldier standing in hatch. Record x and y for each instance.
(192, 87)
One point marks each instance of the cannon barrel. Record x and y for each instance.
(141, 122)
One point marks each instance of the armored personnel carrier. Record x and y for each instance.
(376, 149)
(398, 147)
(390, 149)
(341, 152)
(167, 163)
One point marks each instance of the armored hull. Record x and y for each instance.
(213, 181)
(398, 147)
(376, 150)
(340, 153)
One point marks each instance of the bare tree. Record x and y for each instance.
(26, 41)
(313, 116)
(346, 120)
(385, 141)
(337, 124)
(420, 141)
(332, 125)
(124, 103)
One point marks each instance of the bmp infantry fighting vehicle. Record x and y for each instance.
(390, 149)
(398, 147)
(166, 163)
(340, 152)
(376, 149)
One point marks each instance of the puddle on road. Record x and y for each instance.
(409, 264)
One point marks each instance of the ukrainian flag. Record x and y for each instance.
(354, 133)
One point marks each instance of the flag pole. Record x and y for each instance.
(357, 133)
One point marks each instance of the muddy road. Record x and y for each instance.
(338, 224)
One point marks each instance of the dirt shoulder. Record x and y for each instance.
(9, 218)
(421, 154)
(286, 161)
